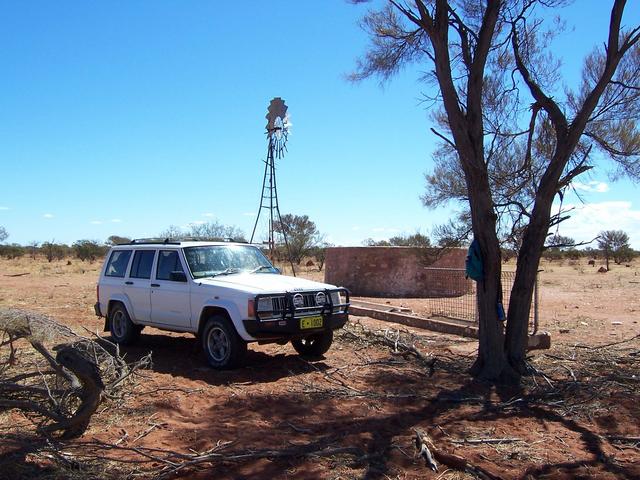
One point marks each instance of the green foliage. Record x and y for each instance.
(33, 249)
(89, 250)
(211, 231)
(54, 251)
(172, 232)
(560, 242)
(624, 254)
(415, 240)
(302, 235)
(319, 252)
(117, 240)
(614, 243)
(12, 251)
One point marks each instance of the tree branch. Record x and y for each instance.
(547, 103)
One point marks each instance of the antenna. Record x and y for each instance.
(277, 132)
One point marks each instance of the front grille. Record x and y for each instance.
(274, 306)
(280, 304)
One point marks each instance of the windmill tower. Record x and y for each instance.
(277, 133)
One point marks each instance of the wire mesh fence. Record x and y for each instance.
(456, 297)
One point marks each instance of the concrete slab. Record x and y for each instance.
(537, 341)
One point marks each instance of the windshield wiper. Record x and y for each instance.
(228, 271)
(261, 267)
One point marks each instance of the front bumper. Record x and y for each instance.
(290, 327)
(287, 323)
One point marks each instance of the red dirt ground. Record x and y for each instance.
(569, 423)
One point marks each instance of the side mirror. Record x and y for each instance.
(177, 276)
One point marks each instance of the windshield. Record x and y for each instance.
(212, 260)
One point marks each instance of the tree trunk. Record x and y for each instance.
(491, 363)
(519, 308)
(527, 269)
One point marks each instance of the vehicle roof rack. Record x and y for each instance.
(146, 241)
(172, 241)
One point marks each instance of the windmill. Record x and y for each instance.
(277, 133)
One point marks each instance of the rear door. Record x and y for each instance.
(112, 281)
(138, 284)
(170, 296)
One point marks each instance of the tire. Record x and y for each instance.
(123, 330)
(222, 345)
(314, 345)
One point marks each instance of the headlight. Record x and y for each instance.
(265, 304)
(335, 298)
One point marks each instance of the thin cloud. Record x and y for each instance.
(249, 214)
(96, 222)
(4, 208)
(47, 215)
(588, 220)
(208, 214)
(593, 186)
(116, 220)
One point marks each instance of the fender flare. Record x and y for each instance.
(232, 311)
(120, 298)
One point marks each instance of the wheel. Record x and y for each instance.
(123, 330)
(314, 345)
(221, 343)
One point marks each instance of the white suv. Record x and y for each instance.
(228, 294)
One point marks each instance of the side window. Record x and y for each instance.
(118, 262)
(168, 262)
(142, 263)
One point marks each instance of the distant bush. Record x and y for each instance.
(117, 240)
(415, 240)
(89, 250)
(624, 254)
(54, 251)
(12, 251)
(320, 253)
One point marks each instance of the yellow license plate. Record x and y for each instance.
(310, 322)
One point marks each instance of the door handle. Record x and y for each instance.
(128, 283)
(155, 284)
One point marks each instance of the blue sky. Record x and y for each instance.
(127, 117)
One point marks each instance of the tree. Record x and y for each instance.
(216, 231)
(614, 243)
(320, 253)
(560, 242)
(512, 140)
(302, 235)
(204, 231)
(88, 250)
(12, 251)
(172, 232)
(414, 240)
(556, 245)
(32, 248)
(53, 251)
(117, 240)
(3, 234)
